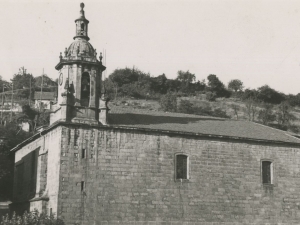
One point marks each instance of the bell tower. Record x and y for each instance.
(79, 80)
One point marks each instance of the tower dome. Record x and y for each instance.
(81, 47)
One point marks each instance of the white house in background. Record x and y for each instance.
(44, 98)
(16, 107)
(25, 126)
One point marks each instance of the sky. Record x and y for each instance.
(256, 41)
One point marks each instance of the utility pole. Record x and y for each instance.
(29, 91)
(41, 91)
(2, 103)
(12, 101)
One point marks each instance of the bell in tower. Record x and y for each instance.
(80, 75)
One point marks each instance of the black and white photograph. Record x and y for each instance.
(150, 112)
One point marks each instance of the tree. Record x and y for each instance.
(111, 88)
(236, 85)
(159, 84)
(214, 83)
(11, 138)
(186, 106)
(265, 115)
(186, 79)
(236, 109)
(269, 95)
(126, 76)
(251, 105)
(168, 102)
(216, 86)
(210, 96)
(33, 117)
(250, 94)
(284, 115)
(293, 100)
(23, 80)
(48, 83)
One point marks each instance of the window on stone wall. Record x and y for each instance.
(83, 153)
(76, 137)
(181, 166)
(267, 172)
(82, 185)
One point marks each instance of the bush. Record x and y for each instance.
(203, 110)
(278, 126)
(168, 102)
(294, 128)
(265, 115)
(32, 218)
(218, 112)
(186, 106)
(211, 96)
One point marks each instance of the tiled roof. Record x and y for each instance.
(196, 124)
(45, 95)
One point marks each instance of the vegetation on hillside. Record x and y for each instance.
(210, 97)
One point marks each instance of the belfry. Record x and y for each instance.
(79, 82)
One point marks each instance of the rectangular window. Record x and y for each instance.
(181, 167)
(83, 152)
(69, 136)
(76, 137)
(266, 171)
(82, 185)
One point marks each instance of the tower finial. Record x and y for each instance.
(82, 25)
(82, 11)
(81, 5)
(101, 57)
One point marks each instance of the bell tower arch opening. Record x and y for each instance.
(82, 28)
(85, 89)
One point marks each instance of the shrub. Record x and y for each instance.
(278, 126)
(211, 96)
(32, 218)
(218, 112)
(168, 102)
(186, 106)
(294, 128)
(265, 115)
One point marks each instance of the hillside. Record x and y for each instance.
(230, 108)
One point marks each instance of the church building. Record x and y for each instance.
(93, 165)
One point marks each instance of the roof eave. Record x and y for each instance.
(67, 62)
(168, 132)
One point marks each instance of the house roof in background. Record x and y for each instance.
(202, 125)
(44, 96)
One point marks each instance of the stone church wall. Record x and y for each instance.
(127, 177)
(37, 174)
